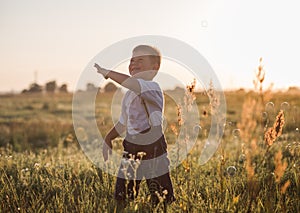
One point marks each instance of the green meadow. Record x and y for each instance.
(256, 167)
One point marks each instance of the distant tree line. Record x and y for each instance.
(109, 87)
(50, 87)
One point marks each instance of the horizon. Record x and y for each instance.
(169, 67)
(198, 89)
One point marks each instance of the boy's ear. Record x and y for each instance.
(156, 66)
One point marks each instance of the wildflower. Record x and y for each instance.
(25, 170)
(236, 199)
(161, 198)
(69, 138)
(222, 159)
(165, 192)
(186, 166)
(275, 131)
(37, 165)
(137, 163)
(141, 154)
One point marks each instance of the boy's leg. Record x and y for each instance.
(120, 194)
(163, 186)
(120, 189)
(125, 188)
(159, 165)
(154, 188)
(133, 189)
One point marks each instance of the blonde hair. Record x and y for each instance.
(150, 51)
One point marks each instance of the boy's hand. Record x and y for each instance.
(101, 70)
(106, 149)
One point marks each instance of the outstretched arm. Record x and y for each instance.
(122, 79)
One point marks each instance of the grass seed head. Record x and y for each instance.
(276, 130)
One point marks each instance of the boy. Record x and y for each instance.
(141, 118)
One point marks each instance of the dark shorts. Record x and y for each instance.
(156, 172)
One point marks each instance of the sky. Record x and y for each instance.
(57, 39)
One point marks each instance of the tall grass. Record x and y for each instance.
(256, 168)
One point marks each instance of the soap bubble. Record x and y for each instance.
(270, 107)
(231, 170)
(285, 106)
(295, 110)
(197, 128)
(236, 133)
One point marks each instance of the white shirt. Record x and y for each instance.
(134, 114)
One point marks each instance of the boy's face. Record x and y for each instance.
(140, 63)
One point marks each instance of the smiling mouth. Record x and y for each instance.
(135, 70)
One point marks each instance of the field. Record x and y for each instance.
(255, 169)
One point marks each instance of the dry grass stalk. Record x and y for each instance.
(285, 186)
(276, 130)
(258, 82)
(174, 129)
(252, 109)
(214, 99)
(179, 116)
(279, 166)
(249, 167)
(190, 96)
(253, 146)
(259, 77)
(248, 124)
(191, 88)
